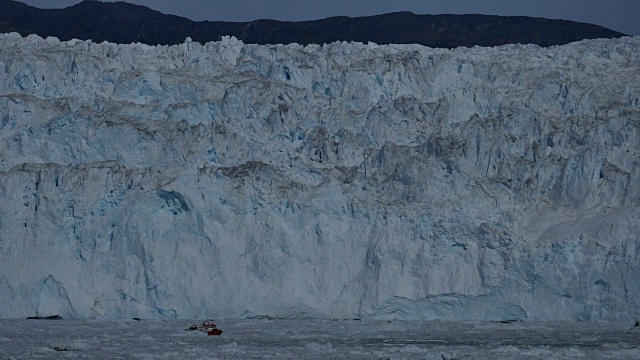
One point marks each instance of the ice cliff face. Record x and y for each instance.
(344, 180)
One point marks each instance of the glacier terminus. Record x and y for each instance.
(345, 180)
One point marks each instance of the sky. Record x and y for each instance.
(620, 15)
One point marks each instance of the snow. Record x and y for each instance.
(324, 182)
(312, 339)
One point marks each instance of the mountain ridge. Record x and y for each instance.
(122, 23)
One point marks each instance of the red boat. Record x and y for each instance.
(208, 327)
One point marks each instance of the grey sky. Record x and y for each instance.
(620, 15)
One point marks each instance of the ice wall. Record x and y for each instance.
(336, 181)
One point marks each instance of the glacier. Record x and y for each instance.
(333, 181)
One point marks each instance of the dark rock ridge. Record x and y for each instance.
(51, 317)
(125, 23)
